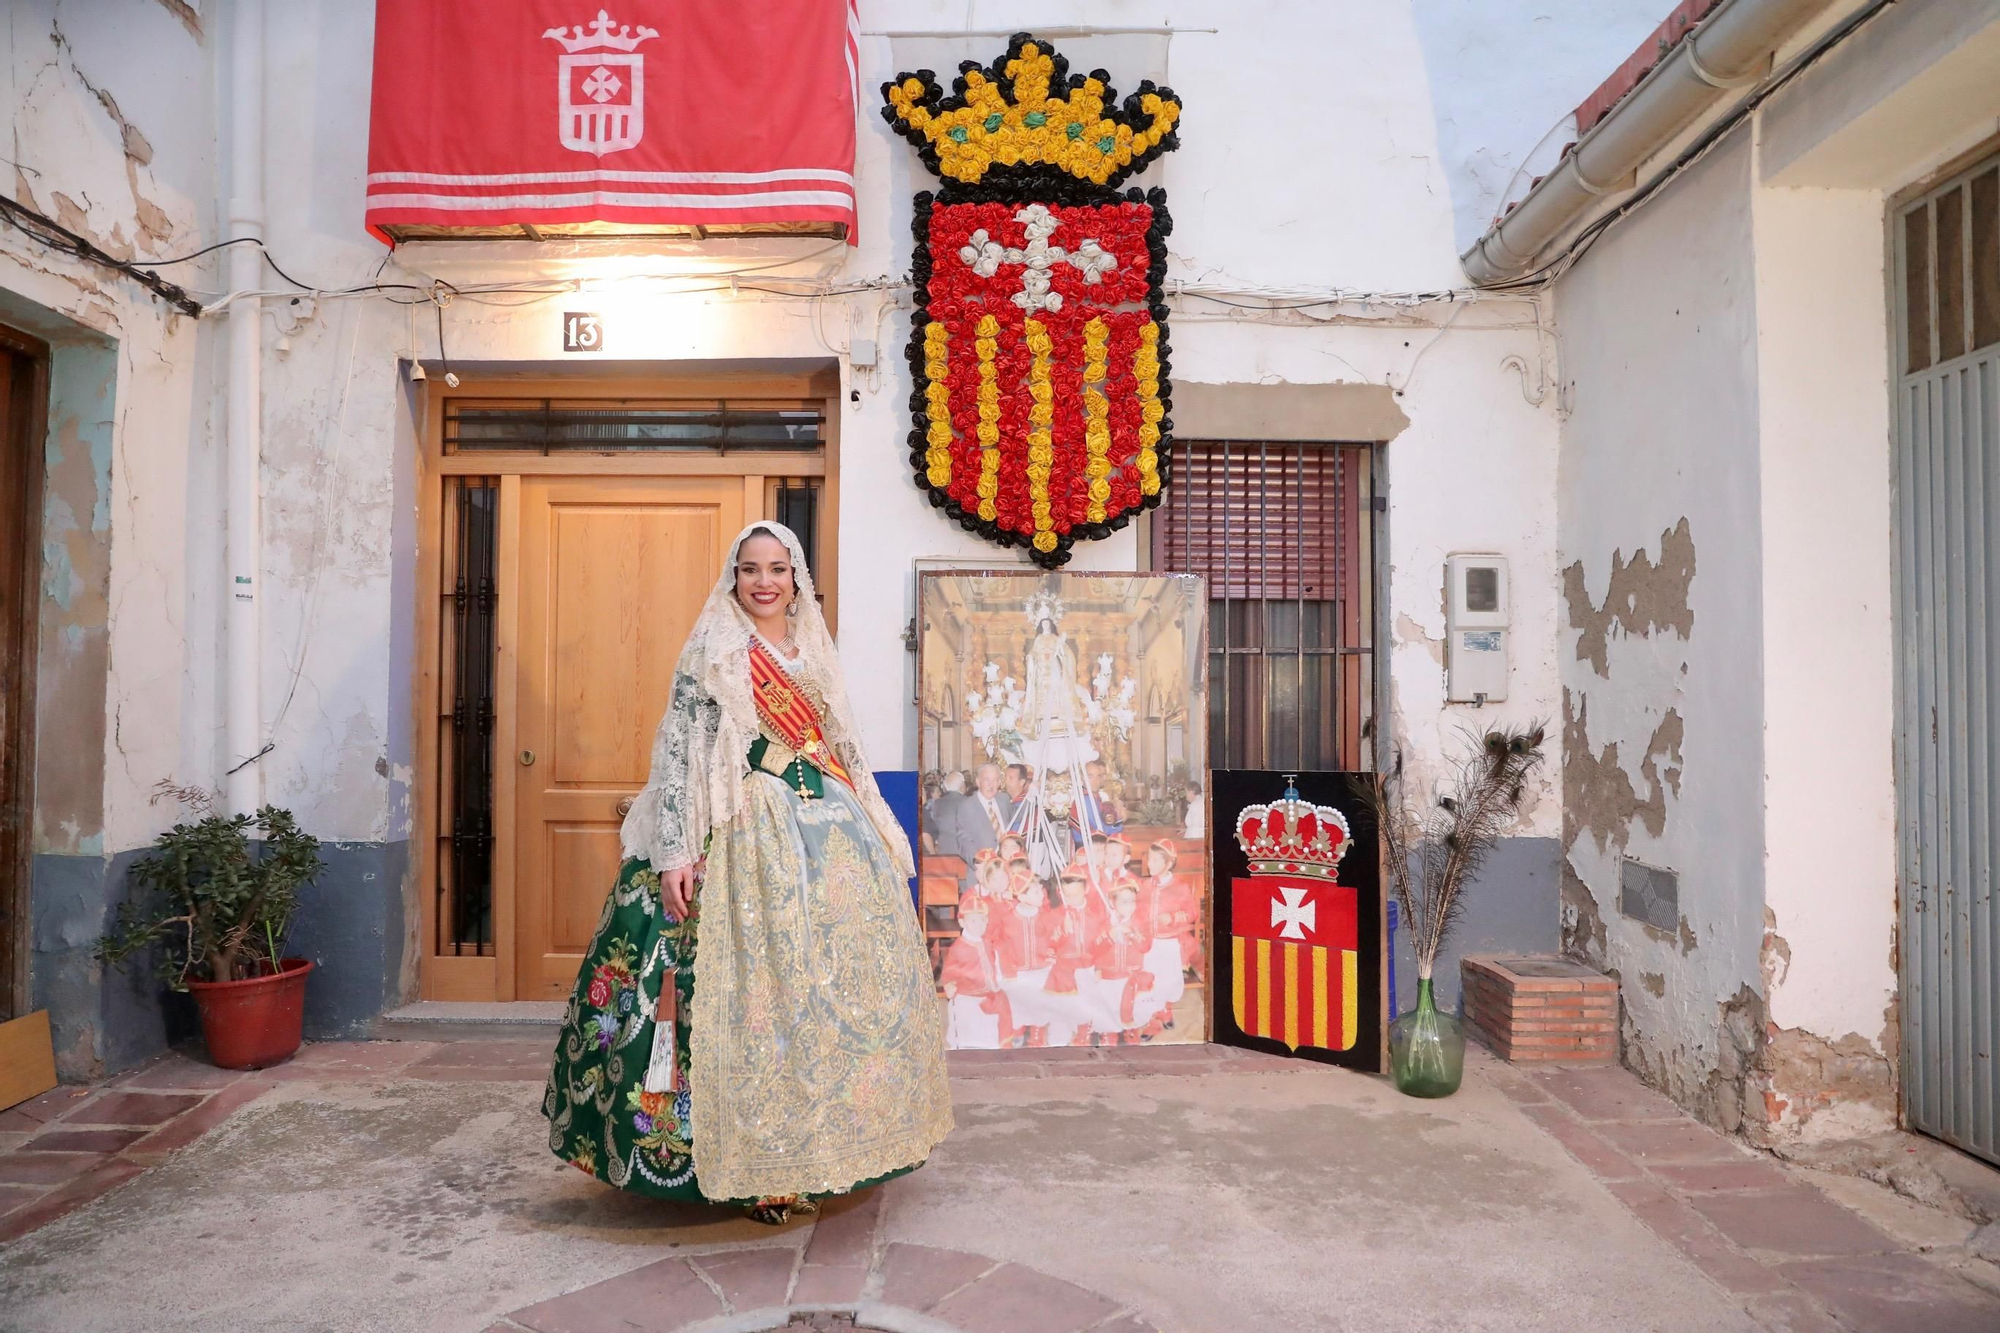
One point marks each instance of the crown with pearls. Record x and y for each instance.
(1292, 836)
(598, 36)
(1045, 605)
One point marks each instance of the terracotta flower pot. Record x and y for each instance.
(257, 1022)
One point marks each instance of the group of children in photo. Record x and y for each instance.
(1098, 954)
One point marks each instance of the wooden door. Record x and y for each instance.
(613, 572)
(23, 409)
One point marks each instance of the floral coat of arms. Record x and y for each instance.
(1039, 343)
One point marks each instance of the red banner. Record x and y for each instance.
(652, 112)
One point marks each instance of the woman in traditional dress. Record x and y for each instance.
(755, 1021)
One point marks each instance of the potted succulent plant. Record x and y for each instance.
(1432, 856)
(215, 905)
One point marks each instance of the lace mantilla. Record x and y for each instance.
(698, 773)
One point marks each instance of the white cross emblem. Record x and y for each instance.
(985, 255)
(602, 85)
(1295, 914)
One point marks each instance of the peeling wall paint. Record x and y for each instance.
(1661, 668)
(112, 133)
(1728, 699)
(1643, 598)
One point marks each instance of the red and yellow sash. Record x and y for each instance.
(784, 709)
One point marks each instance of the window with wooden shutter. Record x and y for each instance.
(1279, 532)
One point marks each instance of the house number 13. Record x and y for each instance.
(582, 332)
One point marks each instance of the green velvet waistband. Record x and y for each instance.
(799, 775)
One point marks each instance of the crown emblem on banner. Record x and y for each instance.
(1293, 836)
(599, 37)
(1027, 117)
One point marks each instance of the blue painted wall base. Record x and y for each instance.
(350, 923)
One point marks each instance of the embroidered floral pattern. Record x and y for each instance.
(850, 1059)
(816, 1007)
(601, 1120)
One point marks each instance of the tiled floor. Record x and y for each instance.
(1798, 1260)
(1781, 1251)
(71, 1145)
(836, 1263)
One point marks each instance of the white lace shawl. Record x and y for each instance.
(700, 751)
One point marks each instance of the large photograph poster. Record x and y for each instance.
(1063, 870)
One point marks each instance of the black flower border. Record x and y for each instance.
(1040, 178)
(1070, 192)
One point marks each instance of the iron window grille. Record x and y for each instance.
(1278, 530)
(472, 600)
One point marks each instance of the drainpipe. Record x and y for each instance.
(242, 666)
(1732, 48)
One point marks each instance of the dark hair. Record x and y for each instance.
(1019, 770)
(760, 530)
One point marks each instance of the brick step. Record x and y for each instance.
(1540, 1010)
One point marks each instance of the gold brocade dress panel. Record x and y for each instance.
(816, 1047)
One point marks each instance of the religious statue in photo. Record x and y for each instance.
(1055, 726)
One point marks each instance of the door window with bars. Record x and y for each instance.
(553, 427)
(1280, 532)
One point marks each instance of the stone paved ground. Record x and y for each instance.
(406, 1185)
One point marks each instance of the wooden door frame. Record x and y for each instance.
(487, 978)
(22, 453)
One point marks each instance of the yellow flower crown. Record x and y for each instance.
(1003, 122)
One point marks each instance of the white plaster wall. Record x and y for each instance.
(1368, 206)
(1829, 781)
(112, 132)
(1796, 461)
(1910, 93)
(1326, 146)
(1659, 325)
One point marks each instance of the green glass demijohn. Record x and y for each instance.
(1432, 853)
(1426, 1048)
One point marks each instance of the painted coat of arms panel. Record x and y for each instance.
(1300, 970)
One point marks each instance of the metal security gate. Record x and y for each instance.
(1947, 246)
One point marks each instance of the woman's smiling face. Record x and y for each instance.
(764, 582)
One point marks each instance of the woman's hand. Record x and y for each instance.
(677, 891)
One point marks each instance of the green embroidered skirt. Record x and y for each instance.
(601, 1118)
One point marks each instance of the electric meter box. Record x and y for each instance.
(1477, 609)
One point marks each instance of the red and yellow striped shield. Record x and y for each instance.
(1041, 401)
(1293, 942)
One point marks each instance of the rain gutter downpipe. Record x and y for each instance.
(1732, 48)
(242, 666)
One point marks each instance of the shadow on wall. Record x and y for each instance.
(1514, 907)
